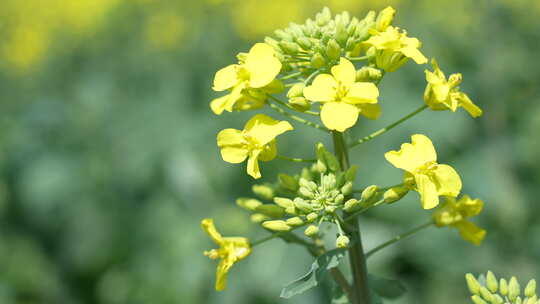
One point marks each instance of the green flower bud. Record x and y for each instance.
(395, 194)
(503, 287)
(341, 34)
(518, 300)
(339, 199)
(368, 74)
(311, 230)
(302, 205)
(328, 181)
(347, 188)
(273, 43)
(304, 43)
(484, 292)
(263, 191)
(532, 299)
(311, 185)
(477, 300)
(472, 283)
(320, 167)
(289, 47)
(291, 210)
(305, 192)
(277, 225)
(513, 289)
(311, 217)
(351, 205)
(333, 50)
(281, 34)
(330, 209)
(295, 221)
(491, 282)
(283, 202)
(385, 18)
(288, 182)
(317, 61)
(297, 90)
(306, 174)
(350, 174)
(497, 299)
(369, 193)
(257, 218)
(530, 289)
(270, 210)
(300, 104)
(342, 241)
(274, 87)
(350, 44)
(323, 17)
(249, 204)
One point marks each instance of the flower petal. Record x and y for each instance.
(344, 72)
(339, 116)
(226, 78)
(470, 232)
(470, 207)
(264, 128)
(362, 92)
(218, 105)
(221, 272)
(414, 54)
(207, 225)
(371, 111)
(230, 137)
(262, 65)
(427, 190)
(447, 180)
(414, 155)
(253, 164)
(234, 155)
(269, 152)
(466, 103)
(322, 89)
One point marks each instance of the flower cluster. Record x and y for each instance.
(487, 289)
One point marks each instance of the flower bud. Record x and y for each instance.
(385, 18)
(271, 210)
(306, 174)
(289, 47)
(472, 283)
(497, 299)
(484, 292)
(312, 216)
(257, 218)
(532, 299)
(291, 210)
(342, 241)
(513, 289)
(277, 225)
(297, 90)
(477, 300)
(273, 43)
(305, 192)
(330, 209)
(347, 188)
(368, 74)
(288, 182)
(503, 287)
(395, 194)
(295, 221)
(455, 79)
(283, 202)
(339, 199)
(311, 230)
(530, 289)
(302, 205)
(274, 87)
(333, 50)
(350, 174)
(319, 167)
(317, 61)
(300, 104)
(369, 193)
(328, 181)
(281, 34)
(341, 34)
(351, 205)
(263, 191)
(304, 43)
(323, 17)
(491, 282)
(249, 204)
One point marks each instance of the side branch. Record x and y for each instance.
(398, 238)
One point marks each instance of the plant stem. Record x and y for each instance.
(296, 118)
(290, 107)
(357, 213)
(387, 128)
(296, 159)
(398, 238)
(358, 58)
(356, 252)
(293, 75)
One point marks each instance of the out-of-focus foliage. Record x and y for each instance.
(108, 158)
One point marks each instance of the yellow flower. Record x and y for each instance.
(230, 251)
(455, 214)
(255, 142)
(442, 94)
(258, 70)
(431, 179)
(343, 98)
(394, 48)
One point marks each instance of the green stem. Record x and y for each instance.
(398, 238)
(293, 75)
(358, 58)
(296, 118)
(296, 159)
(357, 213)
(265, 239)
(357, 259)
(290, 107)
(387, 128)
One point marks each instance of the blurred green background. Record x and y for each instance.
(108, 159)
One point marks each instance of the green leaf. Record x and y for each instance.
(311, 279)
(386, 288)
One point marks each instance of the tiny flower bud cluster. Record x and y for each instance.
(487, 289)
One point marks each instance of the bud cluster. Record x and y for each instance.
(487, 289)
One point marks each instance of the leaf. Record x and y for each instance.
(311, 279)
(386, 288)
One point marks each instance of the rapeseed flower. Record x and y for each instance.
(442, 94)
(423, 173)
(247, 80)
(343, 99)
(230, 251)
(455, 214)
(256, 142)
(393, 48)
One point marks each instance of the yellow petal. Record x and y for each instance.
(230, 137)
(234, 155)
(339, 116)
(226, 78)
(470, 232)
(344, 72)
(371, 111)
(264, 128)
(207, 225)
(322, 89)
(269, 152)
(427, 190)
(262, 65)
(362, 92)
(447, 180)
(253, 164)
(414, 155)
(466, 103)
(414, 54)
(218, 105)
(221, 273)
(470, 207)
(441, 92)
